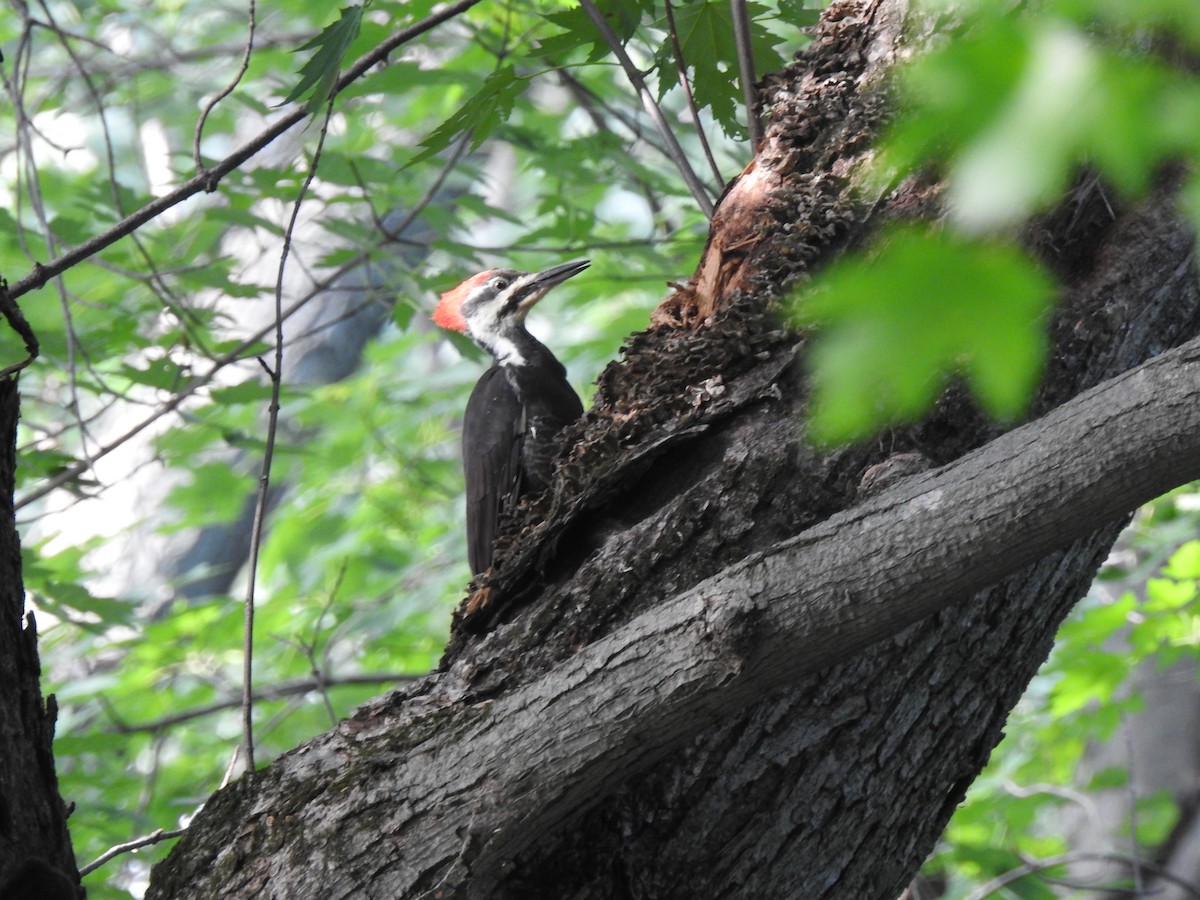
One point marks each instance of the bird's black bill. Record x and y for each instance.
(559, 274)
(534, 289)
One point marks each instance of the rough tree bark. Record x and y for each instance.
(36, 859)
(555, 756)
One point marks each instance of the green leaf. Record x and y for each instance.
(70, 230)
(56, 582)
(706, 42)
(1166, 594)
(1184, 562)
(318, 75)
(1027, 152)
(1094, 676)
(800, 12)
(249, 391)
(578, 30)
(893, 328)
(1018, 104)
(163, 373)
(480, 115)
(1157, 815)
(949, 96)
(215, 493)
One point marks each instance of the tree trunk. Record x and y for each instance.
(36, 860)
(629, 706)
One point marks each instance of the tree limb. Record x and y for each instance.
(543, 754)
(208, 179)
(674, 151)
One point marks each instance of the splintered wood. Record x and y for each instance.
(737, 227)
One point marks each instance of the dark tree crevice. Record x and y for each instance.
(36, 859)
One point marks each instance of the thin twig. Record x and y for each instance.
(24, 125)
(318, 671)
(674, 151)
(592, 106)
(232, 767)
(152, 277)
(237, 354)
(264, 480)
(208, 180)
(1085, 801)
(681, 68)
(272, 692)
(73, 342)
(745, 55)
(226, 91)
(590, 102)
(123, 68)
(308, 648)
(128, 847)
(24, 147)
(452, 160)
(157, 743)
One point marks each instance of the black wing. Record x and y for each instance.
(550, 404)
(493, 432)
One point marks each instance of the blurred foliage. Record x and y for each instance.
(893, 330)
(1008, 109)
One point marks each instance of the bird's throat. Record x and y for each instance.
(507, 349)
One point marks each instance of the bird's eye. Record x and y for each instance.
(499, 283)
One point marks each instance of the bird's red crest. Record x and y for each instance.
(449, 309)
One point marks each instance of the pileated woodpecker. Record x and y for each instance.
(512, 421)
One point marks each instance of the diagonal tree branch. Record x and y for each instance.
(703, 761)
(745, 56)
(543, 754)
(674, 150)
(681, 69)
(208, 180)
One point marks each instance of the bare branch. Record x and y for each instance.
(238, 353)
(207, 180)
(674, 151)
(745, 55)
(393, 233)
(271, 692)
(136, 844)
(681, 68)
(989, 888)
(264, 480)
(16, 320)
(152, 277)
(227, 90)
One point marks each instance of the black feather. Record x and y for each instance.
(510, 440)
